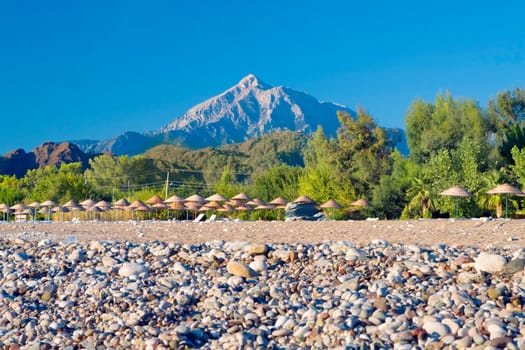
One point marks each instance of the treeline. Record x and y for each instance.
(452, 142)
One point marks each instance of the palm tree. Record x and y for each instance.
(420, 198)
(490, 180)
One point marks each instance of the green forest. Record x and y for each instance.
(452, 141)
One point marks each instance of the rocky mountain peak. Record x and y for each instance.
(251, 81)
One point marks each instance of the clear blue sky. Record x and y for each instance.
(94, 69)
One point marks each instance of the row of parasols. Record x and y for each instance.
(195, 203)
(504, 189)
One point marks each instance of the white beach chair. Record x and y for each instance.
(199, 218)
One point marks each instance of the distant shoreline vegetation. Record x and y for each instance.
(452, 142)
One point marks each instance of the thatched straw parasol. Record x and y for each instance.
(195, 199)
(160, 206)
(178, 206)
(331, 204)
(506, 189)
(48, 203)
(241, 197)
(94, 209)
(279, 202)
(256, 202)
(213, 205)
(137, 203)
(360, 203)
(304, 199)
(174, 199)
(103, 205)
(19, 207)
(217, 197)
(226, 208)
(456, 191)
(71, 204)
(243, 207)
(60, 210)
(154, 200)
(45, 210)
(6, 210)
(193, 206)
(122, 202)
(88, 203)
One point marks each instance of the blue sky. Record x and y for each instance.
(94, 69)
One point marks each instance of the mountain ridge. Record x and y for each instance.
(18, 162)
(251, 108)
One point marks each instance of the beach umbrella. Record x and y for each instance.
(139, 206)
(60, 210)
(279, 202)
(154, 200)
(48, 203)
(256, 202)
(506, 189)
(331, 204)
(360, 203)
(77, 208)
(160, 206)
(45, 210)
(174, 199)
(178, 206)
(34, 206)
(88, 203)
(265, 207)
(71, 204)
(456, 191)
(95, 209)
(6, 210)
(137, 203)
(122, 203)
(195, 199)
(226, 208)
(194, 203)
(217, 198)
(19, 207)
(241, 197)
(103, 205)
(213, 205)
(304, 199)
(243, 207)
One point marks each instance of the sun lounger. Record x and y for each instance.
(199, 218)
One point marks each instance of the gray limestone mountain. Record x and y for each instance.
(251, 108)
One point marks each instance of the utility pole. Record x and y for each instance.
(167, 184)
(129, 192)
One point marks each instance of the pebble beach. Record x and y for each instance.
(419, 284)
